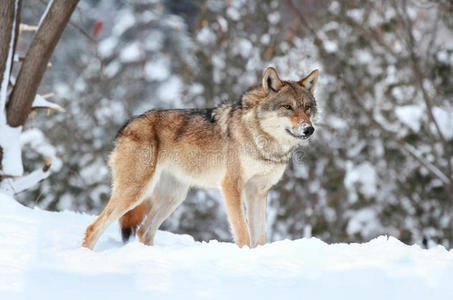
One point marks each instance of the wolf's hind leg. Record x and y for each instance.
(133, 178)
(117, 206)
(168, 194)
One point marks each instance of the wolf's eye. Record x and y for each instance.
(287, 106)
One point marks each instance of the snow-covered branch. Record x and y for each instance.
(13, 186)
(42, 102)
(432, 168)
(406, 147)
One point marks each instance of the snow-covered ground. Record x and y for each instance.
(40, 258)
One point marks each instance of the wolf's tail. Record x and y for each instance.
(130, 220)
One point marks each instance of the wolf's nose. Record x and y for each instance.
(308, 130)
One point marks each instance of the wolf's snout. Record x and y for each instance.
(303, 131)
(308, 131)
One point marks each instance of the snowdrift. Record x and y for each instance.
(40, 258)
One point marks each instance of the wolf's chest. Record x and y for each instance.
(253, 167)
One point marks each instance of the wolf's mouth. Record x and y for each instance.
(303, 137)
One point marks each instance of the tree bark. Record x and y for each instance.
(6, 25)
(36, 59)
(17, 31)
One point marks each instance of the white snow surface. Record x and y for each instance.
(40, 258)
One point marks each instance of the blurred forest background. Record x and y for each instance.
(380, 161)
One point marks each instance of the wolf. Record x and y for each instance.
(242, 148)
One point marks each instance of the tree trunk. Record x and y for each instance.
(7, 11)
(6, 25)
(36, 59)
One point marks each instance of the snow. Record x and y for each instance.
(112, 68)
(364, 57)
(356, 14)
(170, 91)
(365, 175)
(126, 21)
(364, 221)
(158, 69)
(10, 143)
(410, 115)
(244, 47)
(336, 122)
(12, 158)
(196, 89)
(334, 7)
(40, 258)
(131, 53)
(330, 46)
(274, 17)
(154, 41)
(265, 39)
(223, 23)
(107, 46)
(94, 170)
(444, 119)
(23, 183)
(43, 16)
(37, 141)
(233, 13)
(205, 36)
(41, 102)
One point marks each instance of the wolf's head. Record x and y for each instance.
(285, 108)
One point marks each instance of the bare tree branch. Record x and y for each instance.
(419, 78)
(26, 27)
(36, 59)
(434, 170)
(93, 41)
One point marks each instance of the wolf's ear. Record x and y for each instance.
(309, 82)
(271, 81)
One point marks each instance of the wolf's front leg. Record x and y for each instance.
(235, 211)
(256, 203)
